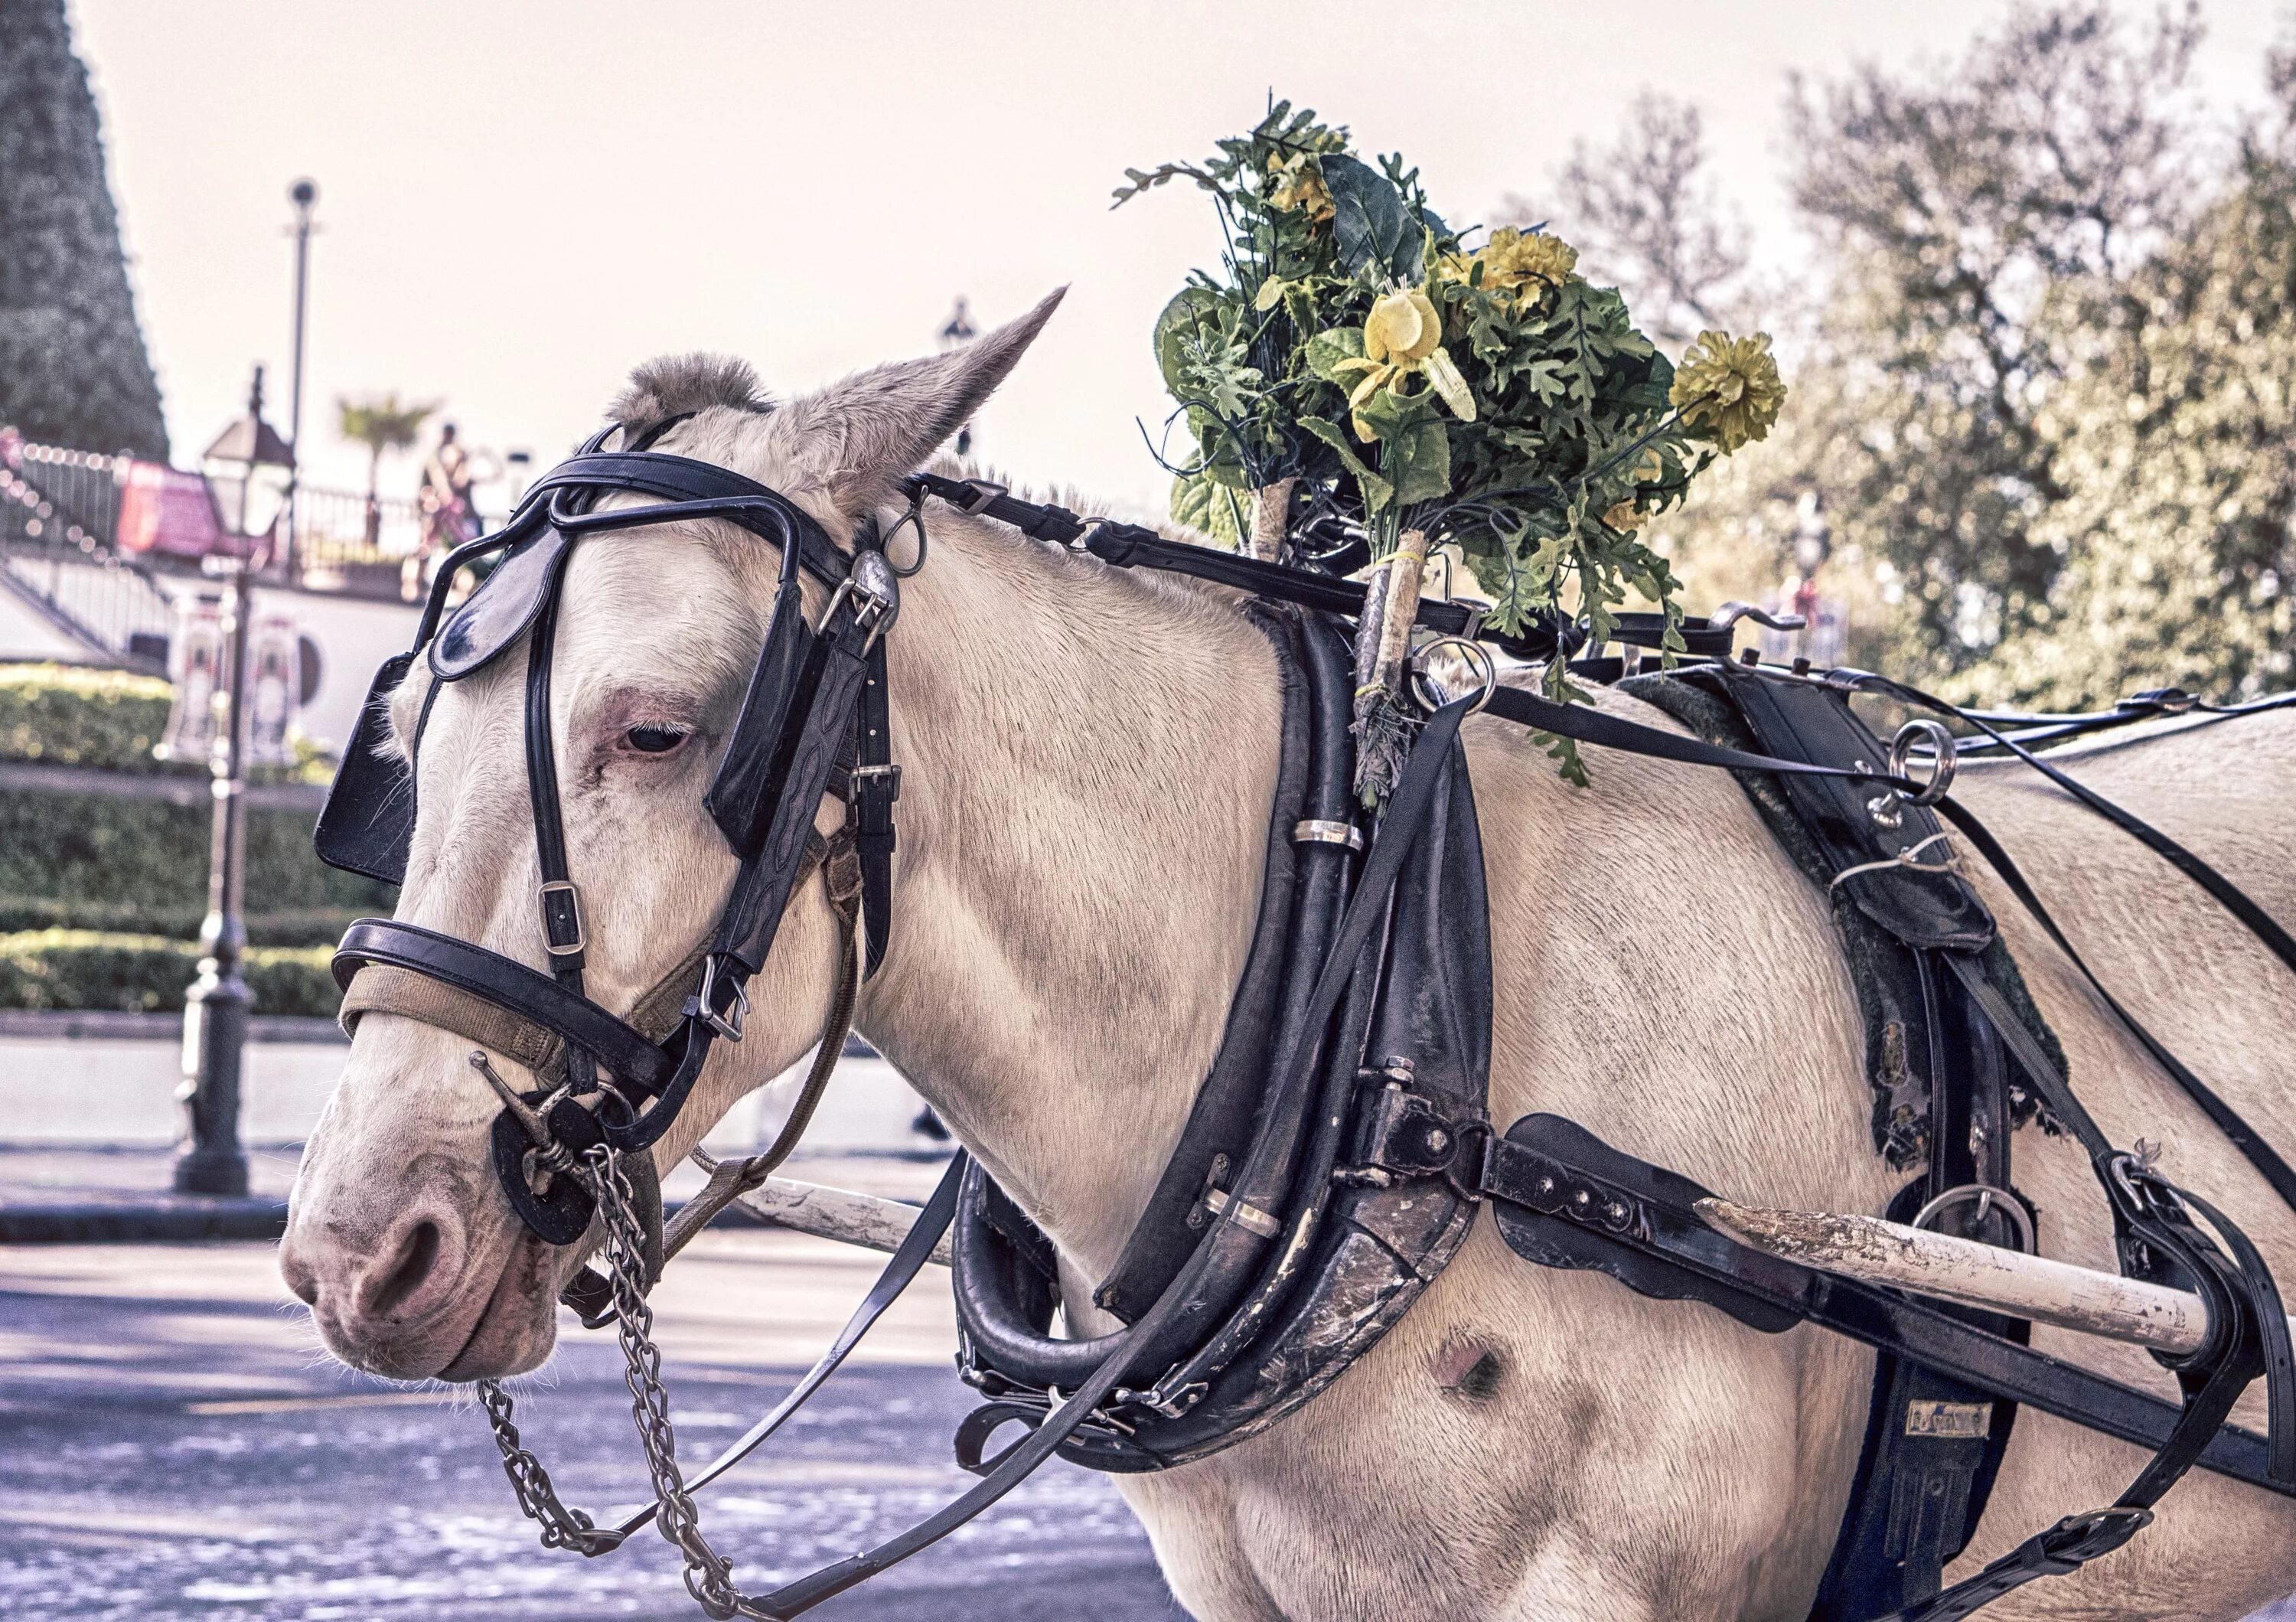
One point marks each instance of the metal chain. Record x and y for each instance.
(709, 1575)
(561, 1527)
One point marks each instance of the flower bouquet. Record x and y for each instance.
(1354, 367)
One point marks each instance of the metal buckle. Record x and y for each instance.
(876, 593)
(728, 1024)
(581, 928)
(2078, 1539)
(985, 492)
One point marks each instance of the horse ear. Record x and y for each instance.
(858, 437)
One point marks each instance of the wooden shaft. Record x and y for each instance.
(1400, 609)
(2008, 1282)
(835, 1212)
(1271, 511)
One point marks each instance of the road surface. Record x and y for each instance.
(173, 1444)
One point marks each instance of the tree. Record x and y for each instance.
(2177, 448)
(73, 369)
(382, 424)
(1645, 217)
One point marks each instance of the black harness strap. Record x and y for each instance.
(876, 785)
(1558, 1173)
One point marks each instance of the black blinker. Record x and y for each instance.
(502, 608)
(738, 800)
(368, 821)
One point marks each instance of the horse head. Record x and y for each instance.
(400, 1237)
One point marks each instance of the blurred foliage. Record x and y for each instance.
(83, 969)
(104, 861)
(67, 715)
(2045, 373)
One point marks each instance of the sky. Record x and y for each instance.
(520, 200)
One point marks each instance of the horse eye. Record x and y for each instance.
(654, 740)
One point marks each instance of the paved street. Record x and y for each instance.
(174, 1443)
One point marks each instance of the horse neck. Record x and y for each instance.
(1088, 761)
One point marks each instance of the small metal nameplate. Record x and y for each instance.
(1970, 1421)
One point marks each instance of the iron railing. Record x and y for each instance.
(58, 509)
(59, 527)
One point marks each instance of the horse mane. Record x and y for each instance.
(678, 385)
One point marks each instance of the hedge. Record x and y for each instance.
(84, 969)
(77, 715)
(96, 861)
(65, 715)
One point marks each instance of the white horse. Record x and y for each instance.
(1089, 758)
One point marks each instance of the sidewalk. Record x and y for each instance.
(78, 1195)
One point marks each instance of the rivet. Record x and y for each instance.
(1438, 1140)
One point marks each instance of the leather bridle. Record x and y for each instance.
(812, 723)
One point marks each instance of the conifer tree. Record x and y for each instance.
(73, 370)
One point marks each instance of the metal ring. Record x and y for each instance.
(1472, 652)
(1943, 746)
(914, 516)
(1987, 1199)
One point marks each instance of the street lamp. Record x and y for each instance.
(249, 471)
(305, 195)
(954, 335)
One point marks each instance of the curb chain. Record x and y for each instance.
(709, 1575)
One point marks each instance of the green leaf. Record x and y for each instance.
(1205, 506)
(1377, 491)
(1270, 291)
(1418, 462)
(1376, 237)
(1196, 326)
(1328, 349)
(1390, 415)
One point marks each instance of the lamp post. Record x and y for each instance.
(304, 194)
(954, 335)
(249, 470)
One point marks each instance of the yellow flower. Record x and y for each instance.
(1403, 335)
(1297, 183)
(1402, 327)
(1728, 389)
(1527, 263)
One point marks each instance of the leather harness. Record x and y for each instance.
(1339, 1147)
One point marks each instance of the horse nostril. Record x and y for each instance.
(417, 1254)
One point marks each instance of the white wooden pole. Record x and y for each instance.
(836, 1213)
(2008, 1282)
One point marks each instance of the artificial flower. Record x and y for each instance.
(1728, 389)
(1623, 518)
(1402, 335)
(1527, 263)
(1295, 183)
